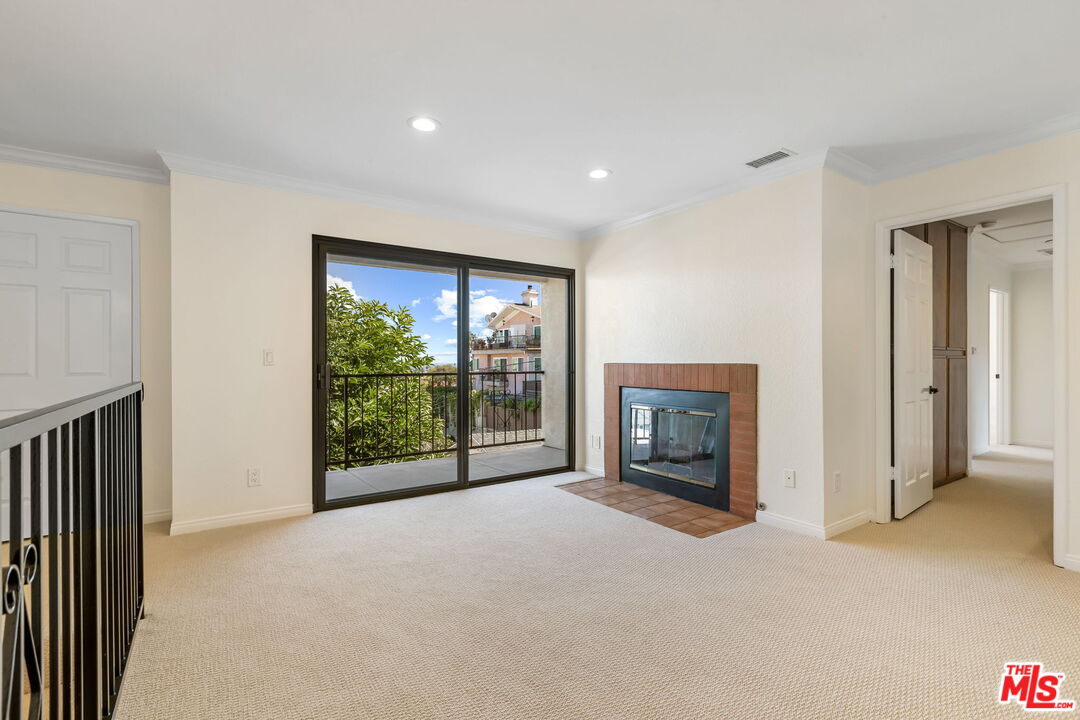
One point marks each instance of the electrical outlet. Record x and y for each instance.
(789, 478)
(596, 441)
(254, 477)
(268, 357)
(836, 481)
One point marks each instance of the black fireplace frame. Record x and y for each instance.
(718, 402)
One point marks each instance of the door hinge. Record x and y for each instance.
(892, 473)
(892, 262)
(320, 376)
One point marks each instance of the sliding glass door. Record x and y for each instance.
(390, 383)
(435, 371)
(518, 361)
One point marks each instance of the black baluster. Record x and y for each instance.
(52, 477)
(88, 705)
(68, 470)
(13, 639)
(36, 662)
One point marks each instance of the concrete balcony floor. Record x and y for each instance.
(484, 464)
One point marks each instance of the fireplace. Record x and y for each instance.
(676, 442)
(737, 457)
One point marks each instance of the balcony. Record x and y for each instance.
(388, 417)
(394, 431)
(507, 342)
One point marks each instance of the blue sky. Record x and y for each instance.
(432, 297)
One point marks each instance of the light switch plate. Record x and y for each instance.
(789, 478)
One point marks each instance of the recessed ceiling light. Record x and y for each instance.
(423, 123)
(599, 174)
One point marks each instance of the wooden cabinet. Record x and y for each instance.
(950, 245)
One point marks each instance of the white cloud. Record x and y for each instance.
(451, 341)
(332, 280)
(415, 302)
(446, 304)
(481, 304)
(425, 336)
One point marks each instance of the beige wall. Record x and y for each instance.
(984, 273)
(553, 394)
(735, 280)
(241, 282)
(1032, 389)
(46, 189)
(847, 353)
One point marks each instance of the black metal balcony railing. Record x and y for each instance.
(507, 342)
(81, 463)
(375, 418)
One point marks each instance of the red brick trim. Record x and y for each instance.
(739, 380)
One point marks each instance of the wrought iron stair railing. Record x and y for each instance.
(73, 583)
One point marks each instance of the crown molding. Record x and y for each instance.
(1026, 135)
(273, 181)
(856, 170)
(57, 161)
(750, 179)
(849, 167)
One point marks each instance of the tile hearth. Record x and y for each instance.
(682, 515)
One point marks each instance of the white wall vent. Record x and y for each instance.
(771, 157)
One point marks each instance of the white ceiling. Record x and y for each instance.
(673, 96)
(1017, 235)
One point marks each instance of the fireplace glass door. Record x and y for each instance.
(674, 443)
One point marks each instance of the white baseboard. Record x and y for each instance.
(243, 518)
(593, 470)
(849, 523)
(1071, 562)
(791, 524)
(156, 516)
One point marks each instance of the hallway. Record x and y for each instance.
(1005, 507)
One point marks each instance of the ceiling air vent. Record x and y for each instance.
(771, 157)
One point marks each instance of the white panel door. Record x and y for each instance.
(65, 309)
(913, 417)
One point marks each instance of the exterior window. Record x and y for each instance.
(536, 362)
(500, 364)
(536, 331)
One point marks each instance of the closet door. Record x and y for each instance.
(957, 289)
(941, 421)
(957, 423)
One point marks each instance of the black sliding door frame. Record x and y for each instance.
(462, 265)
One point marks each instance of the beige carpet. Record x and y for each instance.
(523, 601)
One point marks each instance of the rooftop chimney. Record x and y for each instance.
(530, 298)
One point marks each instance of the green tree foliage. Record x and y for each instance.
(387, 416)
(368, 336)
(444, 368)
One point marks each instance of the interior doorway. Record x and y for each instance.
(997, 394)
(982, 367)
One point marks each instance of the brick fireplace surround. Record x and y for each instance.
(739, 380)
